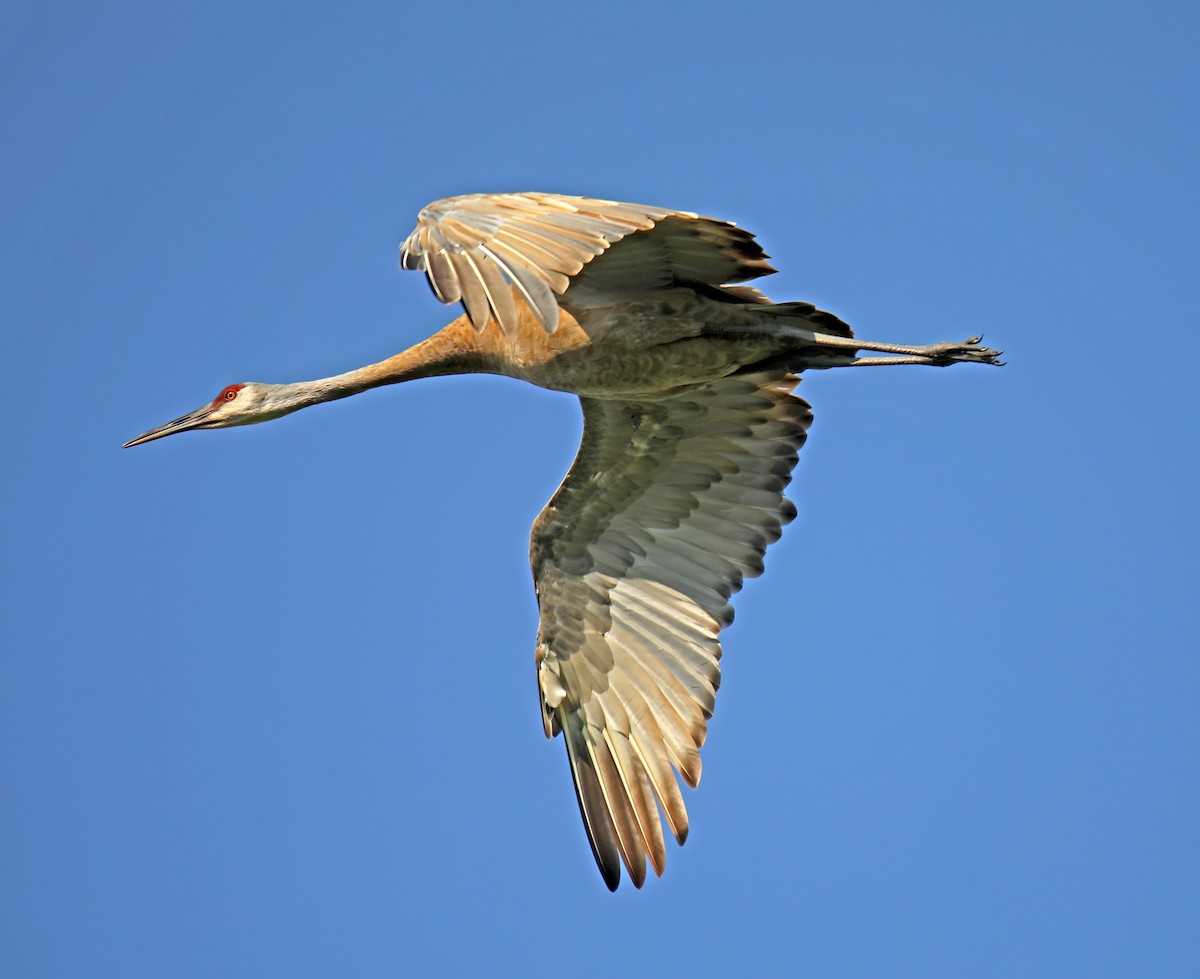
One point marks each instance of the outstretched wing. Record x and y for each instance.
(668, 506)
(470, 247)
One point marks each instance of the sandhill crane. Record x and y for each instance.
(691, 431)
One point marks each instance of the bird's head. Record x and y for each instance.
(238, 404)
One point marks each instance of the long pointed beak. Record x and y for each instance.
(185, 423)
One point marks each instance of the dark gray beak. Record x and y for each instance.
(185, 423)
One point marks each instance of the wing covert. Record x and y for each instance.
(669, 505)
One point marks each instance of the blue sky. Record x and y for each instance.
(267, 701)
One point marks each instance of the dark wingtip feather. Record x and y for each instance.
(601, 834)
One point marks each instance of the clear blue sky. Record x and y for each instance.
(267, 700)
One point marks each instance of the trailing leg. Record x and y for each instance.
(942, 354)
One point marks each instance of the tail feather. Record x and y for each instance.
(815, 319)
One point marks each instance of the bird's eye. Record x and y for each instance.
(229, 394)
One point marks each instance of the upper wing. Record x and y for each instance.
(668, 506)
(468, 247)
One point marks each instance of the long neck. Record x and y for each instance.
(453, 350)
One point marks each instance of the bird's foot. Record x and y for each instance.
(969, 351)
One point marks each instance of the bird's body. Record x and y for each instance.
(691, 431)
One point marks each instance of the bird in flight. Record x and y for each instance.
(691, 428)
